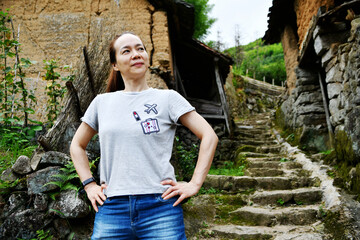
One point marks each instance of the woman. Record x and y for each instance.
(138, 196)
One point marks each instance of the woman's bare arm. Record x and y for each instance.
(201, 128)
(81, 162)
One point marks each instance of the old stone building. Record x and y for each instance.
(60, 29)
(322, 54)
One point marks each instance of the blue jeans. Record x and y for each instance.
(139, 217)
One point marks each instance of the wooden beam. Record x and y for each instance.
(222, 94)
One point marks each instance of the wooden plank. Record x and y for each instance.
(206, 108)
(222, 94)
(178, 83)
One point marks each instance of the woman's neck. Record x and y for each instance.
(135, 86)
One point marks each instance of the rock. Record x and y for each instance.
(37, 180)
(17, 202)
(71, 205)
(333, 106)
(35, 160)
(323, 42)
(52, 158)
(61, 227)
(338, 117)
(24, 224)
(334, 89)
(41, 202)
(307, 97)
(8, 175)
(22, 165)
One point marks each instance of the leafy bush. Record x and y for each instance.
(262, 61)
(185, 160)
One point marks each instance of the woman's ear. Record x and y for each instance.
(115, 67)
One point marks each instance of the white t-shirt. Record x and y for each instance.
(136, 132)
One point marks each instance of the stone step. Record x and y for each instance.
(256, 142)
(243, 183)
(255, 131)
(256, 216)
(264, 172)
(263, 158)
(262, 233)
(273, 164)
(261, 155)
(257, 135)
(296, 196)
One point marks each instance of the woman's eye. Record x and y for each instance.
(141, 49)
(125, 51)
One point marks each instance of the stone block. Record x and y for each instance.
(8, 175)
(41, 202)
(35, 160)
(322, 43)
(308, 98)
(333, 106)
(352, 127)
(71, 205)
(334, 75)
(311, 108)
(52, 158)
(310, 120)
(37, 180)
(334, 89)
(343, 61)
(22, 165)
(338, 117)
(326, 58)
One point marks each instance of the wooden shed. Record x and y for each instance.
(199, 71)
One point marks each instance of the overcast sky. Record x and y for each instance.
(249, 15)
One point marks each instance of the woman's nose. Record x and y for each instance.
(135, 54)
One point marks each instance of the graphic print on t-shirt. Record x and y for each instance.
(151, 107)
(136, 116)
(150, 125)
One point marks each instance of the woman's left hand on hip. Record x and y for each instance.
(181, 189)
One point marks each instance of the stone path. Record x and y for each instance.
(276, 198)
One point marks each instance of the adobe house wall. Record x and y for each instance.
(305, 10)
(59, 29)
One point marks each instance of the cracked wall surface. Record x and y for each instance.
(305, 10)
(59, 29)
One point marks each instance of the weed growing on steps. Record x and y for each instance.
(281, 202)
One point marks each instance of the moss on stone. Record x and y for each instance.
(344, 149)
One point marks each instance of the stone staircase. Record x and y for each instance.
(275, 199)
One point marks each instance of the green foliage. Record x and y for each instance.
(14, 96)
(229, 169)
(68, 179)
(14, 142)
(280, 201)
(260, 60)
(41, 235)
(284, 160)
(209, 191)
(7, 186)
(54, 89)
(186, 159)
(202, 21)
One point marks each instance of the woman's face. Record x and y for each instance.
(132, 59)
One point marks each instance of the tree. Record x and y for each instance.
(202, 21)
(239, 55)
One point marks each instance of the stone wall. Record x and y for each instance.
(59, 29)
(341, 62)
(305, 10)
(336, 44)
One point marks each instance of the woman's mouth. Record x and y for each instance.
(138, 64)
